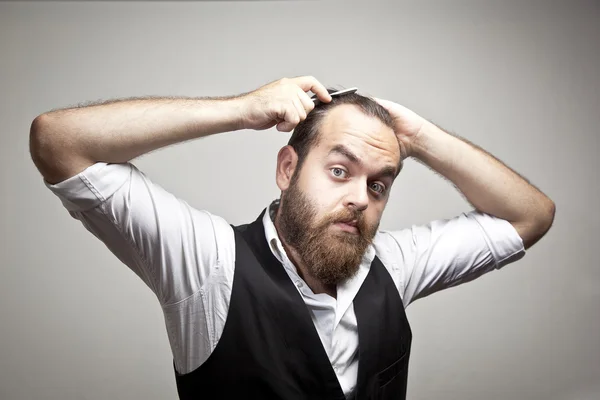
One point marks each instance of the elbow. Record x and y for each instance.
(41, 145)
(539, 220)
(53, 151)
(534, 230)
(545, 218)
(547, 215)
(47, 150)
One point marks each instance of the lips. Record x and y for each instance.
(352, 222)
(349, 226)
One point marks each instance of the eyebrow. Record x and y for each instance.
(387, 171)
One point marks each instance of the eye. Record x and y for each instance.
(378, 187)
(338, 172)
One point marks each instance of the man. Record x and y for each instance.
(307, 301)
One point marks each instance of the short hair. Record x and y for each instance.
(306, 134)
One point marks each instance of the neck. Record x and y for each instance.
(313, 283)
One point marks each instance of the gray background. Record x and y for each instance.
(519, 79)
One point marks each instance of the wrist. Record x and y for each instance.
(213, 115)
(236, 107)
(429, 134)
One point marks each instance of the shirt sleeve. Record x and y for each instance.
(170, 245)
(448, 252)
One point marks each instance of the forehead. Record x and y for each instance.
(368, 136)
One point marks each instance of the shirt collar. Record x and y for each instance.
(271, 232)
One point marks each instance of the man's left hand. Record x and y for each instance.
(408, 126)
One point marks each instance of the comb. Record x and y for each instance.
(338, 93)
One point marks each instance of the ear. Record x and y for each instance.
(287, 160)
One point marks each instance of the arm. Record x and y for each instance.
(488, 184)
(65, 142)
(83, 152)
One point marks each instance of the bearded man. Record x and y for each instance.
(307, 301)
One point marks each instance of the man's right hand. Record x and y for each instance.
(283, 103)
(65, 142)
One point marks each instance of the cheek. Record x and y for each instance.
(374, 213)
(322, 192)
(317, 180)
(314, 195)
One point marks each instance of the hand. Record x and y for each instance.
(283, 103)
(407, 126)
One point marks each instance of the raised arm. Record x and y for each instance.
(487, 183)
(83, 155)
(67, 141)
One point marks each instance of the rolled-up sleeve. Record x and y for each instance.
(424, 259)
(170, 245)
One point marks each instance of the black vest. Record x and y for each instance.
(270, 348)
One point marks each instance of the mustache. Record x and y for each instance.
(347, 216)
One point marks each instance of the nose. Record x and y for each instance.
(357, 196)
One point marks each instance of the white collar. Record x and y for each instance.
(346, 291)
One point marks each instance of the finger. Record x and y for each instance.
(300, 108)
(307, 83)
(283, 127)
(290, 119)
(307, 102)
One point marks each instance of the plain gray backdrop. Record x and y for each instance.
(520, 79)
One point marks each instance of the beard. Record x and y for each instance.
(330, 255)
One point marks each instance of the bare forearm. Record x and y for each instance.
(487, 183)
(66, 141)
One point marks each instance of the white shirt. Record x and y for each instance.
(186, 256)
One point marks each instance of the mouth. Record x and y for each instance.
(348, 226)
